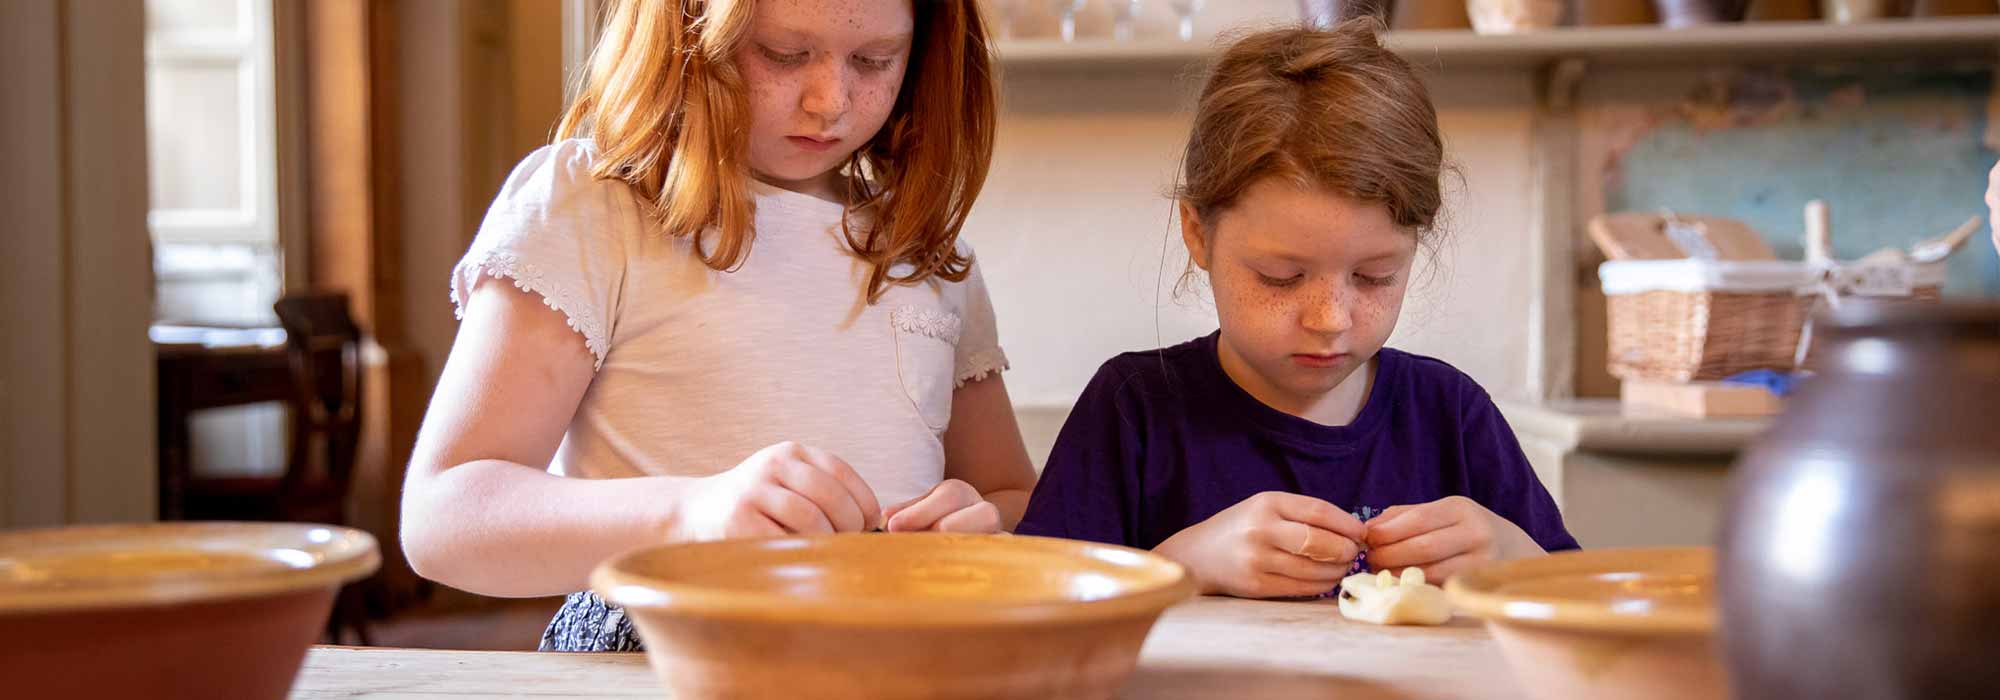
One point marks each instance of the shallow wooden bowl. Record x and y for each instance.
(168, 610)
(1607, 623)
(893, 615)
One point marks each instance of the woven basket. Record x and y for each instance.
(1688, 336)
(1694, 320)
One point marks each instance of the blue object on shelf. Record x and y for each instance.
(1779, 383)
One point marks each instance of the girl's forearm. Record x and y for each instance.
(503, 529)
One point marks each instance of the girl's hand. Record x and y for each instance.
(783, 489)
(951, 506)
(1444, 537)
(1272, 545)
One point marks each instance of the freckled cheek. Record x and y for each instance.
(1259, 314)
(875, 100)
(1377, 313)
(767, 100)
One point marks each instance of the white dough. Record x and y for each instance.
(1384, 599)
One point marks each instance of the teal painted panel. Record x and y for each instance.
(1896, 151)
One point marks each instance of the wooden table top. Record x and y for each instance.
(1212, 647)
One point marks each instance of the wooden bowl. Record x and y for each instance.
(1609, 623)
(169, 610)
(893, 615)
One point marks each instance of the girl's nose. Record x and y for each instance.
(1326, 313)
(825, 95)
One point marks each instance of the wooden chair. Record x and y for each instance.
(324, 347)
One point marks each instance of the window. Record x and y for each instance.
(211, 141)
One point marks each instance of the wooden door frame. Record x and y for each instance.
(76, 285)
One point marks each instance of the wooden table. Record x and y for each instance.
(1212, 647)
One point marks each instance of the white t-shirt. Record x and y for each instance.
(698, 368)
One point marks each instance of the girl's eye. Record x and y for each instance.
(1372, 281)
(874, 64)
(784, 58)
(1270, 281)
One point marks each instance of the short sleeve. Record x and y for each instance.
(555, 231)
(1090, 487)
(1505, 483)
(979, 354)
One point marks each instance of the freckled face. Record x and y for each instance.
(1308, 285)
(823, 76)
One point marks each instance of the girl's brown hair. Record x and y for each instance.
(666, 107)
(1329, 109)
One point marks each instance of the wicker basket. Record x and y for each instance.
(1696, 320)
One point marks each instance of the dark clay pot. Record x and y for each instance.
(1685, 13)
(1860, 557)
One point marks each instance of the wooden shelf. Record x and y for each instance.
(1605, 425)
(1725, 43)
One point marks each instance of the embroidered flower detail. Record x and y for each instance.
(982, 364)
(917, 320)
(530, 278)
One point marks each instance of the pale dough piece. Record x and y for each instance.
(1383, 599)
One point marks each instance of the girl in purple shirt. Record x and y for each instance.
(1289, 448)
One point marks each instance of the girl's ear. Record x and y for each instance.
(1193, 236)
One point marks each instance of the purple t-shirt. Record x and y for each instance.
(1163, 439)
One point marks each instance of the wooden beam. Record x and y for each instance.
(109, 282)
(1552, 346)
(34, 458)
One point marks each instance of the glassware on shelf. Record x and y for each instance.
(1067, 9)
(1186, 9)
(1127, 16)
(1005, 14)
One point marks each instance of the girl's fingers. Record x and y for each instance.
(1317, 513)
(1427, 548)
(825, 492)
(982, 518)
(1394, 526)
(1306, 541)
(864, 497)
(1438, 572)
(793, 512)
(946, 498)
(1293, 566)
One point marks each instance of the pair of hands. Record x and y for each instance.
(790, 488)
(1284, 545)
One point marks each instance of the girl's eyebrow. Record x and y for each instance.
(1302, 259)
(888, 42)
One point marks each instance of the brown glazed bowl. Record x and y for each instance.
(1635, 624)
(168, 610)
(893, 615)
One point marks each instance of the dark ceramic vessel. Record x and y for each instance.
(1861, 553)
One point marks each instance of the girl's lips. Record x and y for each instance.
(812, 144)
(1318, 361)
